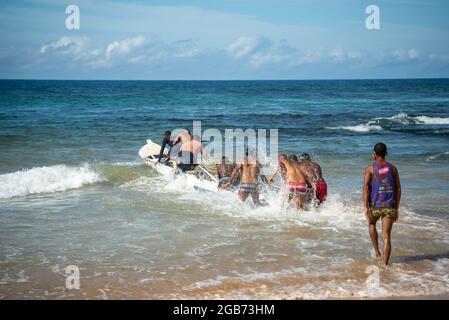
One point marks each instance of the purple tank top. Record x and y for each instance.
(383, 187)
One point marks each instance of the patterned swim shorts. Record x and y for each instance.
(383, 212)
(248, 187)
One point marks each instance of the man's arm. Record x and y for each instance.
(286, 163)
(161, 153)
(366, 190)
(318, 173)
(270, 179)
(233, 174)
(177, 139)
(398, 190)
(204, 152)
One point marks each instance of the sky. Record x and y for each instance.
(224, 40)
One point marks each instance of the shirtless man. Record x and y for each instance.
(178, 141)
(295, 181)
(249, 170)
(183, 137)
(188, 153)
(224, 172)
(280, 169)
(314, 177)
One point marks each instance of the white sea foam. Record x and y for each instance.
(429, 120)
(401, 118)
(358, 128)
(46, 179)
(438, 156)
(404, 118)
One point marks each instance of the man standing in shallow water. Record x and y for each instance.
(249, 170)
(314, 177)
(381, 198)
(295, 181)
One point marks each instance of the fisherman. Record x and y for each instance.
(179, 140)
(314, 177)
(281, 170)
(224, 171)
(249, 170)
(295, 181)
(188, 153)
(165, 142)
(183, 137)
(381, 198)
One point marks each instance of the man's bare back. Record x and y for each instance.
(295, 181)
(293, 172)
(225, 170)
(308, 169)
(249, 169)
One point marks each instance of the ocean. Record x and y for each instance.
(73, 191)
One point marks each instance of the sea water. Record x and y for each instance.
(74, 192)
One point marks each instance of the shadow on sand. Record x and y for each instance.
(421, 257)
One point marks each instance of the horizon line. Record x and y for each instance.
(286, 79)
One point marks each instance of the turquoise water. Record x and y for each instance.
(73, 190)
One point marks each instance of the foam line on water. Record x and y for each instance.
(358, 128)
(404, 118)
(378, 124)
(438, 156)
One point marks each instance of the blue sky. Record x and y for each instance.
(224, 39)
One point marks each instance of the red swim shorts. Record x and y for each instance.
(321, 190)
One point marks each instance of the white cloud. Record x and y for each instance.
(266, 57)
(132, 50)
(123, 46)
(244, 46)
(67, 45)
(413, 53)
(256, 52)
(340, 55)
(436, 57)
(259, 51)
(403, 55)
(307, 58)
(137, 59)
(337, 54)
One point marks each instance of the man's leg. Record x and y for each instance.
(374, 237)
(243, 195)
(300, 199)
(387, 225)
(255, 197)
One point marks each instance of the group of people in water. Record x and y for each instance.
(302, 177)
(304, 181)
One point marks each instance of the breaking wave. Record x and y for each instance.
(440, 156)
(403, 118)
(390, 123)
(358, 128)
(45, 180)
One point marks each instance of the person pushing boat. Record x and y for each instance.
(224, 172)
(314, 177)
(249, 170)
(281, 170)
(189, 152)
(165, 142)
(295, 181)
